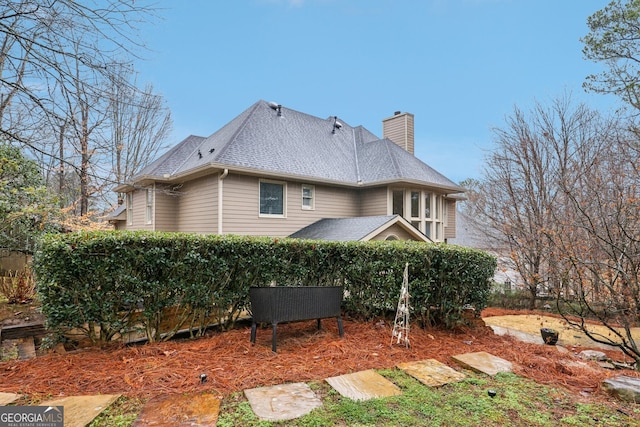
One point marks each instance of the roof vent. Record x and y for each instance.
(336, 124)
(277, 107)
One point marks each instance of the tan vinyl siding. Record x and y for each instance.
(139, 211)
(198, 206)
(165, 211)
(450, 229)
(399, 129)
(373, 201)
(241, 201)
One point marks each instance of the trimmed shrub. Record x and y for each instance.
(108, 283)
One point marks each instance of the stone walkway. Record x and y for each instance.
(287, 401)
(276, 403)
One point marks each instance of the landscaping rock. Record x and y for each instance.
(7, 398)
(80, 411)
(282, 402)
(483, 362)
(623, 387)
(592, 355)
(606, 365)
(180, 410)
(363, 385)
(431, 372)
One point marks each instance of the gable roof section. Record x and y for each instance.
(118, 213)
(399, 165)
(296, 144)
(173, 160)
(354, 229)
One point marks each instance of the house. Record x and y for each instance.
(470, 233)
(274, 171)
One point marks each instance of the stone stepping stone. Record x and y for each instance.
(519, 335)
(79, 411)
(432, 373)
(282, 402)
(179, 410)
(363, 385)
(483, 362)
(7, 398)
(623, 387)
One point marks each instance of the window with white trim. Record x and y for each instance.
(272, 198)
(415, 204)
(130, 208)
(425, 210)
(149, 205)
(427, 205)
(397, 202)
(308, 197)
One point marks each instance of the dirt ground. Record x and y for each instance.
(568, 334)
(232, 363)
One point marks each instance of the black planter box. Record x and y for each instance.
(277, 304)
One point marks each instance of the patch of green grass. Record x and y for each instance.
(236, 411)
(121, 413)
(588, 414)
(518, 402)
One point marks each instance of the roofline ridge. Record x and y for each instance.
(357, 158)
(252, 110)
(202, 139)
(392, 156)
(166, 155)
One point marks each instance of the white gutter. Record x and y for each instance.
(221, 178)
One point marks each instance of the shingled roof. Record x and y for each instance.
(354, 229)
(287, 143)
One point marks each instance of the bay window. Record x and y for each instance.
(425, 210)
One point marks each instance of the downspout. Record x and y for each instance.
(221, 178)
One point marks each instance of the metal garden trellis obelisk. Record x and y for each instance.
(401, 324)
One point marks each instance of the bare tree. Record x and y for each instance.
(50, 48)
(520, 192)
(138, 127)
(599, 237)
(85, 117)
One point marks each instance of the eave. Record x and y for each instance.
(213, 167)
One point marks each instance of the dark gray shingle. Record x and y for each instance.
(342, 229)
(298, 144)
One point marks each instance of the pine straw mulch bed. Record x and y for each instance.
(232, 364)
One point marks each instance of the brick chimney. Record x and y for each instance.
(399, 129)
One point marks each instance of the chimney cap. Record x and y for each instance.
(396, 113)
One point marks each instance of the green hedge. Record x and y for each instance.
(106, 283)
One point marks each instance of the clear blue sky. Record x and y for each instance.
(460, 66)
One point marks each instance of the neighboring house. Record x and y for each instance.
(470, 234)
(273, 171)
